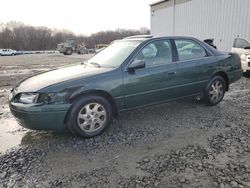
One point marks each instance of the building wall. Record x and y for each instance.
(162, 18)
(222, 20)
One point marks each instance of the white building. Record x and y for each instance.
(221, 20)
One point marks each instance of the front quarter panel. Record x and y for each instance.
(109, 82)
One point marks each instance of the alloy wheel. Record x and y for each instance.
(92, 117)
(216, 91)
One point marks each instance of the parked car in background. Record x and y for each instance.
(130, 73)
(245, 62)
(19, 52)
(241, 46)
(26, 52)
(7, 52)
(91, 51)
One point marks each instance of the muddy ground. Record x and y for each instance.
(178, 144)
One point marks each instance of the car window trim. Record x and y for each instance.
(194, 59)
(160, 65)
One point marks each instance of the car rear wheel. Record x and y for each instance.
(215, 90)
(90, 116)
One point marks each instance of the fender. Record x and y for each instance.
(83, 92)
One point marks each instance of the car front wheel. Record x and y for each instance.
(90, 116)
(215, 90)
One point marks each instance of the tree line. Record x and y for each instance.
(18, 36)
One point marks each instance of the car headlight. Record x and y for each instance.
(43, 98)
(28, 98)
(243, 57)
(51, 98)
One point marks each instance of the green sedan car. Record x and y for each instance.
(130, 73)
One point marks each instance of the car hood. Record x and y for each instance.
(49, 78)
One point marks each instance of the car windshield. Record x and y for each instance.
(114, 55)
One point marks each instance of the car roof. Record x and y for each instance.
(139, 37)
(152, 38)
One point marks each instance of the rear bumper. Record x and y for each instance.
(234, 75)
(44, 117)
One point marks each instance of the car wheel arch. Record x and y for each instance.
(224, 76)
(100, 93)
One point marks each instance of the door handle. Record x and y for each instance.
(171, 73)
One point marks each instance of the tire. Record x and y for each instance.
(69, 51)
(81, 122)
(12, 54)
(215, 90)
(246, 74)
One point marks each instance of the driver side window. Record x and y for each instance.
(156, 53)
(149, 51)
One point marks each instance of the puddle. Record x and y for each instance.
(11, 134)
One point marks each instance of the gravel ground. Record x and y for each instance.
(178, 144)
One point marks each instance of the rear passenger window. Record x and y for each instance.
(188, 49)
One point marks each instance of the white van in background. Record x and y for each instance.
(241, 46)
(7, 52)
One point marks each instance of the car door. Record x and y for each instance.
(154, 82)
(195, 66)
(8, 52)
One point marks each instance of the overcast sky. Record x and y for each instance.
(79, 16)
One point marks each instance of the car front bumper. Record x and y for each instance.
(42, 117)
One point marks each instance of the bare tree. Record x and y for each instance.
(19, 36)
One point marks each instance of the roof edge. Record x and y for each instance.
(158, 2)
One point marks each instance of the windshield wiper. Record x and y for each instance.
(95, 64)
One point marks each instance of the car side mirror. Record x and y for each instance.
(136, 64)
(247, 48)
